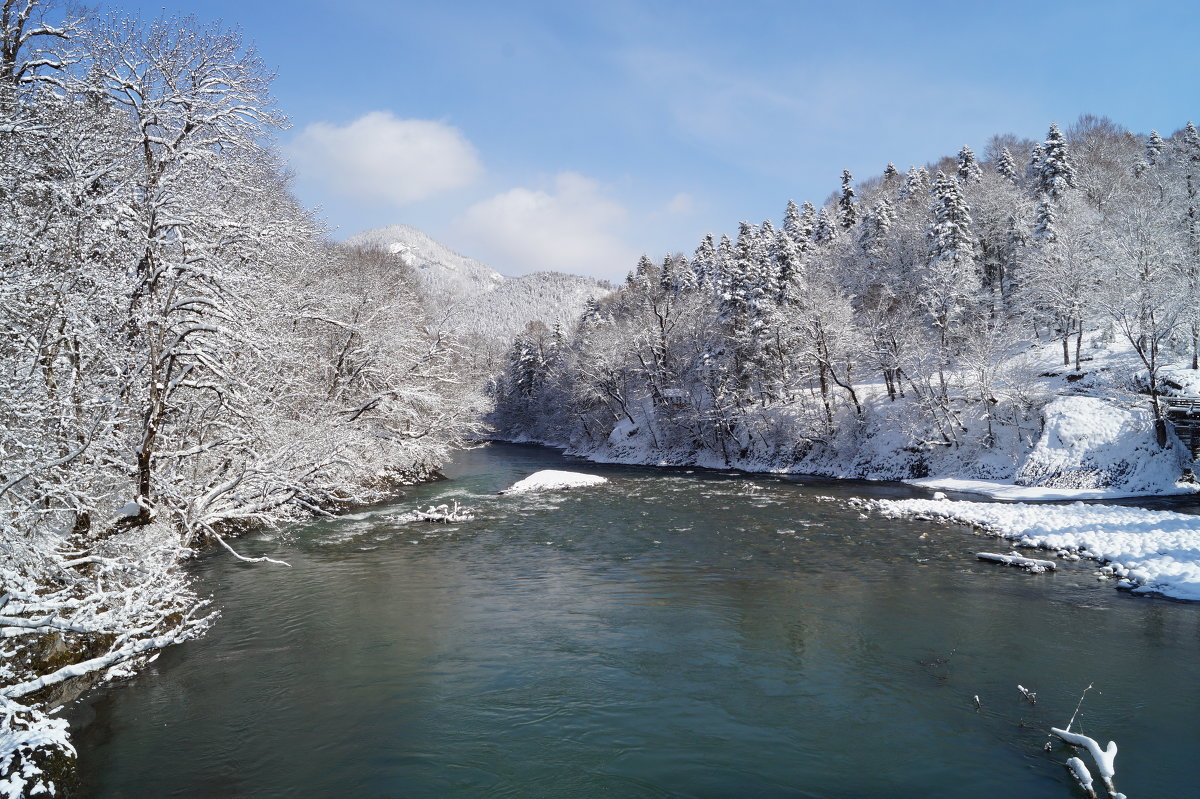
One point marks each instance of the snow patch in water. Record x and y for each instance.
(554, 480)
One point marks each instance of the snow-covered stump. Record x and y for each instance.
(1029, 564)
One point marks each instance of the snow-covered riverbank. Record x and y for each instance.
(1148, 551)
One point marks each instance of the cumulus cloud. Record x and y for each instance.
(572, 227)
(378, 157)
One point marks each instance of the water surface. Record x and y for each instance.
(672, 633)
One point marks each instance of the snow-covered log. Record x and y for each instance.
(1031, 564)
(1081, 773)
(1103, 758)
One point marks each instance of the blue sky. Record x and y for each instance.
(575, 136)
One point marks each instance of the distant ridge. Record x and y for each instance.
(442, 270)
(469, 297)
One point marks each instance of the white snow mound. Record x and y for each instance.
(554, 480)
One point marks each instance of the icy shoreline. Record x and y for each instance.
(1149, 551)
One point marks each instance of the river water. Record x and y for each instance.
(671, 633)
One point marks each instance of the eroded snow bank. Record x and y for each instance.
(554, 480)
(1088, 443)
(1152, 551)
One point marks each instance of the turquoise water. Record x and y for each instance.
(672, 633)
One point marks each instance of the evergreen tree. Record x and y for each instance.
(788, 270)
(591, 313)
(1034, 168)
(1055, 172)
(1006, 167)
(1154, 146)
(890, 172)
(847, 212)
(704, 262)
(950, 239)
(808, 227)
(1044, 221)
(968, 166)
(875, 225)
(823, 229)
(916, 182)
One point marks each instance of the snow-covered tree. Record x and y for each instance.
(968, 166)
(847, 208)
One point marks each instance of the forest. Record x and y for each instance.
(916, 323)
(183, 354)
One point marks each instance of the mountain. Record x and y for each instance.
(443, 272)
(477, 302)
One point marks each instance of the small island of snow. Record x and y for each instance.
(553, 480)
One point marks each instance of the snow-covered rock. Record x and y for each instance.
(554, 480)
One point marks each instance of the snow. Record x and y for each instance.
(1103, 758)
(1014, 492)
(554, 480)
(1031, 564)
(1089, 443)
(1151, 551)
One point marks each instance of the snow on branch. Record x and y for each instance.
(1029, 564)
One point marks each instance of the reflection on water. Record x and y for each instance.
(671, 633)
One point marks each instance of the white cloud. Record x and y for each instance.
(378, 157)
(682, 204)
(572, 227)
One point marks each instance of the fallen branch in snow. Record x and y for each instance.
(446, 514)
(1032, 564)
(1082, 774)
(239, 556)
(1102, 757)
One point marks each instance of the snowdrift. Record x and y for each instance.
(1088, 443)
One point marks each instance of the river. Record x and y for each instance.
(681, 633)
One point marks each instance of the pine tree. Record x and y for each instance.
(645, 267)
(808, 227)
(1044, 219)
(788, 269)
(847, 212)
(915, 184)
(951, 280)
(890, 172)
(875, 225)
(1055, 172)
(823, 230)
(950, 239)
(792, 223)
(591, 313)
(704, 262)
(1034, 168)
(1006, 167)
(1154, 146)
(968, 166)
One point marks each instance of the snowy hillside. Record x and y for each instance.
(444, 272)
(473, 299)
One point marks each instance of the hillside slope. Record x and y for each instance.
(472, 299)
